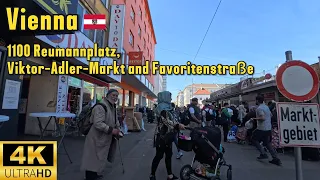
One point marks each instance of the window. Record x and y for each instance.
(138, 48)
(81, 11)
(127, 61)
(124, 59)
(100, 36)
(144, 43)
(132, 14)
(148, 52)
(105, 2)
(139, 31)
(143, 79)
(131, 39)
(140, 13)
(145, 27)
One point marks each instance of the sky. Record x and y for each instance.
(258, 32)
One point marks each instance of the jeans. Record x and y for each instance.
(264, 136)
(225, 128)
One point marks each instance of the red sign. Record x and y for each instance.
(297, 81)
(268, 76)
(135, 58)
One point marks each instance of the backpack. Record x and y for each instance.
(223, 119)
(84, 123)
(209, 117)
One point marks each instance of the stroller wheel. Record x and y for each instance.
(185, 172)
(229, 174)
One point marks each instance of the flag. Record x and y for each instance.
(94, 21)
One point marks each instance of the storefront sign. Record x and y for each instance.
(135, 58)
(269, 96)
(116, 27)
(76, 40)
(58, 6)
(245, 83)
(62, 96)
(11, 94)
(75, 82)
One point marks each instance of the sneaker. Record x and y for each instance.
(173, 177)
(276, 161)
(262, 156)
(179, 155)
(152, 177)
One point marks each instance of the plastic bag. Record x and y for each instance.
(231, 136)
(249, 124)
(125, 128)
(142, 125)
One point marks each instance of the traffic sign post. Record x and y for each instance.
(298, 122)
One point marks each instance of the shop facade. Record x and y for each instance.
(131, 32)
(12, 87)
(231, 94)
(62, 93)
(68, 93)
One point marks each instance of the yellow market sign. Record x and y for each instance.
(59, 6)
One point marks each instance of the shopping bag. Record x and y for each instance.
(275, 142)
(142, 125)
(231, 136)
(242, 133)
(125, 128)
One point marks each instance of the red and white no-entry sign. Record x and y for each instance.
(297, 81)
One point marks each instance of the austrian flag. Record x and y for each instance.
(94, 21)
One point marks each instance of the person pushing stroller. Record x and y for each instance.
(165, 134)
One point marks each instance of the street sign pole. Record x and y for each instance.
(297, 150)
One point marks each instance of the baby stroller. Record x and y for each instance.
(205, 142)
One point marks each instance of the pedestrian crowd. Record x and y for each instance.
(101, 125)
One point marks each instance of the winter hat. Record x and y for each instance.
(111, 91)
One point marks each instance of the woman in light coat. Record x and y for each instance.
(242, 112)
(100, 144)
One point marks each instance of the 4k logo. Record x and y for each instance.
(23, 160)
(18, 155)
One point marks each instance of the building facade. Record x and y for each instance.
(164, 82)
(158, 83)
(133, 36)
(180, 102)
(188, 92)
(248, 88)
(202, 95)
